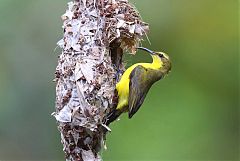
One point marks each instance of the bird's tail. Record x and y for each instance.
(112, 116)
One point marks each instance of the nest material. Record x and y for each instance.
(85, 75)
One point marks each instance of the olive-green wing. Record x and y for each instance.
(140, 83)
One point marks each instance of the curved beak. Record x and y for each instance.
(146, 49)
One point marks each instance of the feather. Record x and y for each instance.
(141, 80)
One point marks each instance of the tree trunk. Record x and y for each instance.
(96, 32)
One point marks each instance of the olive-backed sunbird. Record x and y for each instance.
(136, 82)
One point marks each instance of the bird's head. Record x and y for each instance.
(162, 56)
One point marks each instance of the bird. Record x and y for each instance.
(136, 82)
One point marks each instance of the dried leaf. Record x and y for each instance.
(64, 115)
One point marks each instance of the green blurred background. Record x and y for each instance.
(190, 115)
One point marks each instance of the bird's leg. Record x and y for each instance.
(118, 73)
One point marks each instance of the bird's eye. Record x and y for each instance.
(161, 55)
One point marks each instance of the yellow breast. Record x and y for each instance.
(123, 88)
